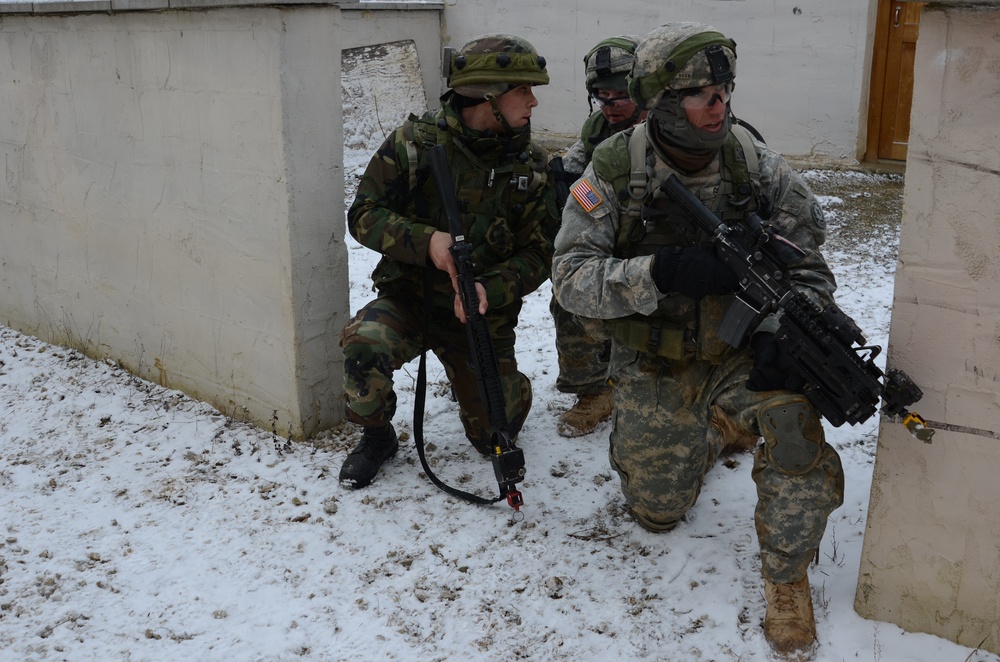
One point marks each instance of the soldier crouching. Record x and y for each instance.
(624, 255)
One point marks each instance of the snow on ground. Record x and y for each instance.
(138, 524)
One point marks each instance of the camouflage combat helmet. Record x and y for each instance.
(609, 62)
(680, 56)
(490, 64)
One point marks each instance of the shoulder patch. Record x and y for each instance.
(586, 195)
(817, 215)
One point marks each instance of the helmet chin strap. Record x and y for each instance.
(498, 115)
(510, 135)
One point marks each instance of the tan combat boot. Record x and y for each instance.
(583, 418)
(789, 626)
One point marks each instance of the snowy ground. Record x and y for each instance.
(138, 524)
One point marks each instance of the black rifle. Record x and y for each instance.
(508, 460)
(827, 347)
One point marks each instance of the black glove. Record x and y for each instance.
(694, 271)
(773, 369)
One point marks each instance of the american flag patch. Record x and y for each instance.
(586, 195)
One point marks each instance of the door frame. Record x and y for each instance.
(877, 81)
(876, 88)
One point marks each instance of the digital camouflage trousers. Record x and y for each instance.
(393, 330)
(671, 421)
(583, 361)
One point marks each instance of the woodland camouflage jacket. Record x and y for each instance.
(504, 193)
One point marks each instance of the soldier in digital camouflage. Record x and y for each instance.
(681, 395)
(508, 214)
(583, 359)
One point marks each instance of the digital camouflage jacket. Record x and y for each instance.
(504, 193)
(600, 273)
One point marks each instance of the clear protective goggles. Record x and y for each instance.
(700, 98)
(603, 102)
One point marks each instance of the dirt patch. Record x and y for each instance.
(862, 209)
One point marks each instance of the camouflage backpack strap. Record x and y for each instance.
(631, 230)
(537, 166)
(638, 176)
(745, 139)
(740, 173)
(419, 131)
(621, 160)
(611, 160)
(407, 135)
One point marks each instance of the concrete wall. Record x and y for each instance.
(173, 193)
(931, 560)
(803, 66)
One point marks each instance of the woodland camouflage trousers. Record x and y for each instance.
(393, 330)
(671, 421)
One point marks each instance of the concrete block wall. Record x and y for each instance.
(931, 555)
(173, 193)
(802, 70)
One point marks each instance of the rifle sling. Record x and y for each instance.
(418, 413)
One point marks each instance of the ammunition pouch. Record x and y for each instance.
(688, 334)
(653, 336)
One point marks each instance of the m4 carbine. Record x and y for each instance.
(827, 347)
(508, 460)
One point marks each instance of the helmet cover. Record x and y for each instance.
(679, 56)
(609, 63)
(490, 64)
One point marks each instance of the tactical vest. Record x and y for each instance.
(681, 328)
(594, 131)
(523, 175)
(491, 194)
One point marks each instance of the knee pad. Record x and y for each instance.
(793, 434)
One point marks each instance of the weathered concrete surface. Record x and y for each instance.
(173, 195)
(802, 74)
(931, 559)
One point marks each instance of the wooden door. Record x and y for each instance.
(891, 92)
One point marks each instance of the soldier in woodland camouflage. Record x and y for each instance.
(681, 395)
(509, 216)
(583, 359)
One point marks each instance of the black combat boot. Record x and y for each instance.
(377, 445)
